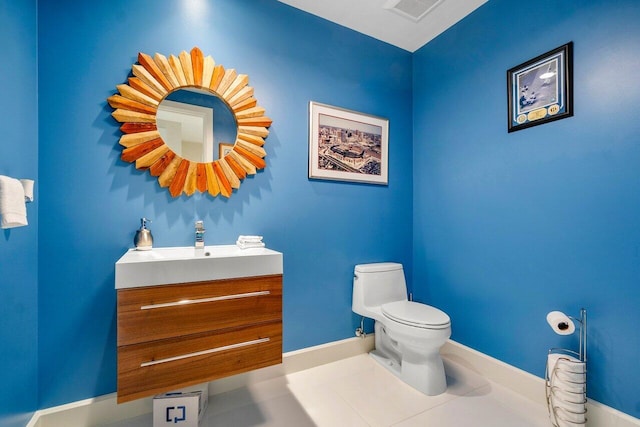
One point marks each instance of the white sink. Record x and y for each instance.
(186, 264)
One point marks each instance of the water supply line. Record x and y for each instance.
(360, 331)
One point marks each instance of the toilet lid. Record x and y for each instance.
(416, 314)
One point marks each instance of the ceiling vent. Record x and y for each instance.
(414, 10)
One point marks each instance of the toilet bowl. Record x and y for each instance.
(408, 334)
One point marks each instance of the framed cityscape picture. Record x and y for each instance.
(541, 90)
(346, 145)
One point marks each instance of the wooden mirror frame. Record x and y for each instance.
(136, 106)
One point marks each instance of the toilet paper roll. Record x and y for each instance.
(567, 379)
(569, 418)
(567, 366)
(560, 323)
(566, 371)
(565, 363)
(568, 399)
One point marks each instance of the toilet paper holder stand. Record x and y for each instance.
(556, 413)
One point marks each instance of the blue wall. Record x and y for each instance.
(91, 201)
(19, 246)
(510, 226)
(506, 227)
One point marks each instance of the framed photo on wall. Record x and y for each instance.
(541, 89)
(346, 145)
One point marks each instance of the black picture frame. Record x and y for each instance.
(541, 90)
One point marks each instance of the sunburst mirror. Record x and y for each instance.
(146, 136)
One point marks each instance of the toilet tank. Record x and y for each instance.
(376, 284)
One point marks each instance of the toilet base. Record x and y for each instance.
(430, 380)
(423, 371)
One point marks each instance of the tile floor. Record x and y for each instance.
(358, 392)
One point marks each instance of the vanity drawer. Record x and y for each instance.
(161, 312)
(154, 367)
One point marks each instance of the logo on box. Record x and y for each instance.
(172, 411)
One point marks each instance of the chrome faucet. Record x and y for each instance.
(200, 234)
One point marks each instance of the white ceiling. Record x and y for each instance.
(371, 18)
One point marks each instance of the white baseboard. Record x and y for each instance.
(104, 409)
(528, 385)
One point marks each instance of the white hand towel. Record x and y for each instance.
(247, 245)
(250, 239)
(13, 209)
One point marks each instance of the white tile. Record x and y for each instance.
(461, 379)
(145, 420)
(488, 406)
(281, 411)
(329, 372)
(252, 394)
(326, 408)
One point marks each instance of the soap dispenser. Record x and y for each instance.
(143, 238)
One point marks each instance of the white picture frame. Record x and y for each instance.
(346, 145)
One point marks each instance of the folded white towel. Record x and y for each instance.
(250, 239)
(12, 204)
(247, 245)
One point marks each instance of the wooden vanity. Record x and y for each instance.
(173, 335)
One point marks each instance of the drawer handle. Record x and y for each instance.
(203, 352)
(201, 300)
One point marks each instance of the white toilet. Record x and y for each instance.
(408, 335)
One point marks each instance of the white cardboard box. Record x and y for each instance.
(182, 408)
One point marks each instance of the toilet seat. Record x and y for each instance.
(416, 314)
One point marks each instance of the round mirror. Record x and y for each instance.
(196, 124)
(193, 124)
